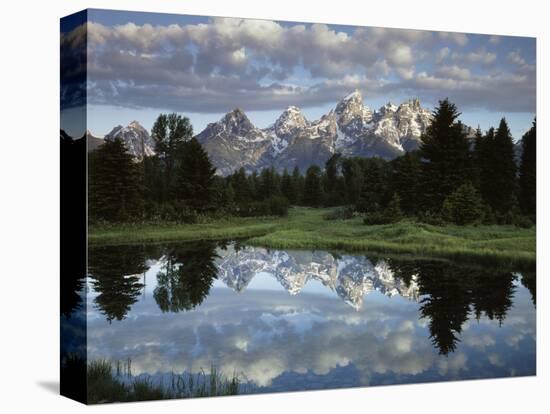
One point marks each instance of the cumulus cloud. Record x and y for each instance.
(266, 65)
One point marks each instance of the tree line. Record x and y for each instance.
(450, 178)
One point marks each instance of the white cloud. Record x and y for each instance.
(261, 65)
(460, 39)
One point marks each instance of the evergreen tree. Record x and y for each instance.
(485, 158)
(115, 187)
(333, 186)
(254, 185)
(464, 206)
(268, 184)
(297, 184)
(241, 185)
(477, 158)
(313, 192)
(499, 186)
(195, 175)
(393, 212)
(528, 172)
(286, 186)
(445, 156)
(374, 184)
(405, 181)
(353, 179)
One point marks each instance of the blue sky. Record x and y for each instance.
(142, 64)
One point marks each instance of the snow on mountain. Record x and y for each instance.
(350, 277)
(136, 138)
(351, 128)
(234, 142)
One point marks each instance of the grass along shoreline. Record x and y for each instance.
(306, 228)
(107, 384)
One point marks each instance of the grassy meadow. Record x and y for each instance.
(307, 228)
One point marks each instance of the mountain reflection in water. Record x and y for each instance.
(290, 320)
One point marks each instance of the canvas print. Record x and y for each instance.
(257, 206)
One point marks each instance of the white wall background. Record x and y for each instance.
(29, 204)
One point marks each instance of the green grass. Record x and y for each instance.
(305, 228)
(106, 384)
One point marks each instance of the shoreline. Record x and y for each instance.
(306, 229)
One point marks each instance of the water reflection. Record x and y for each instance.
(299, 320)
(116, 276)
(186, 276)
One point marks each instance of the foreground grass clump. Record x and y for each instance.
(106, 385)
(307, 228)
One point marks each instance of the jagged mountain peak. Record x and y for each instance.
(135, 124)
(136, 138)
(237, 122)
(411, 104)
(350, 128)
(289, 122)
(352, 102)
(388, 108)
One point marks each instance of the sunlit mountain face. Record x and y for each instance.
(295, 320)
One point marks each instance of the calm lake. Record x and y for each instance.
(297, 320)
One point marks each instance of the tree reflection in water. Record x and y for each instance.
(116, 272)
(449, 293)
(186, 277)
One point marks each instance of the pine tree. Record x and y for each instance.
(393, 213)
(269, 185)
(477, 158)
(195, 174)
(485, 158)
(445, 156)
(353, 179)
(297, 183)
(499, 187)
(115, 186)
(333, 183)
(528, 172)
(241, 185)
(374, 185)
(286, 186)
(405, 180)
(464, 206)
(313, 192)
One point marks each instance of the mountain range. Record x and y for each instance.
(351, 277)
(350, 128)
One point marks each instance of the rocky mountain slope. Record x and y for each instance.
(350, 128)
(137, 139)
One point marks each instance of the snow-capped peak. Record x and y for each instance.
(289, 122)
(136, 138)
(236, 122)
